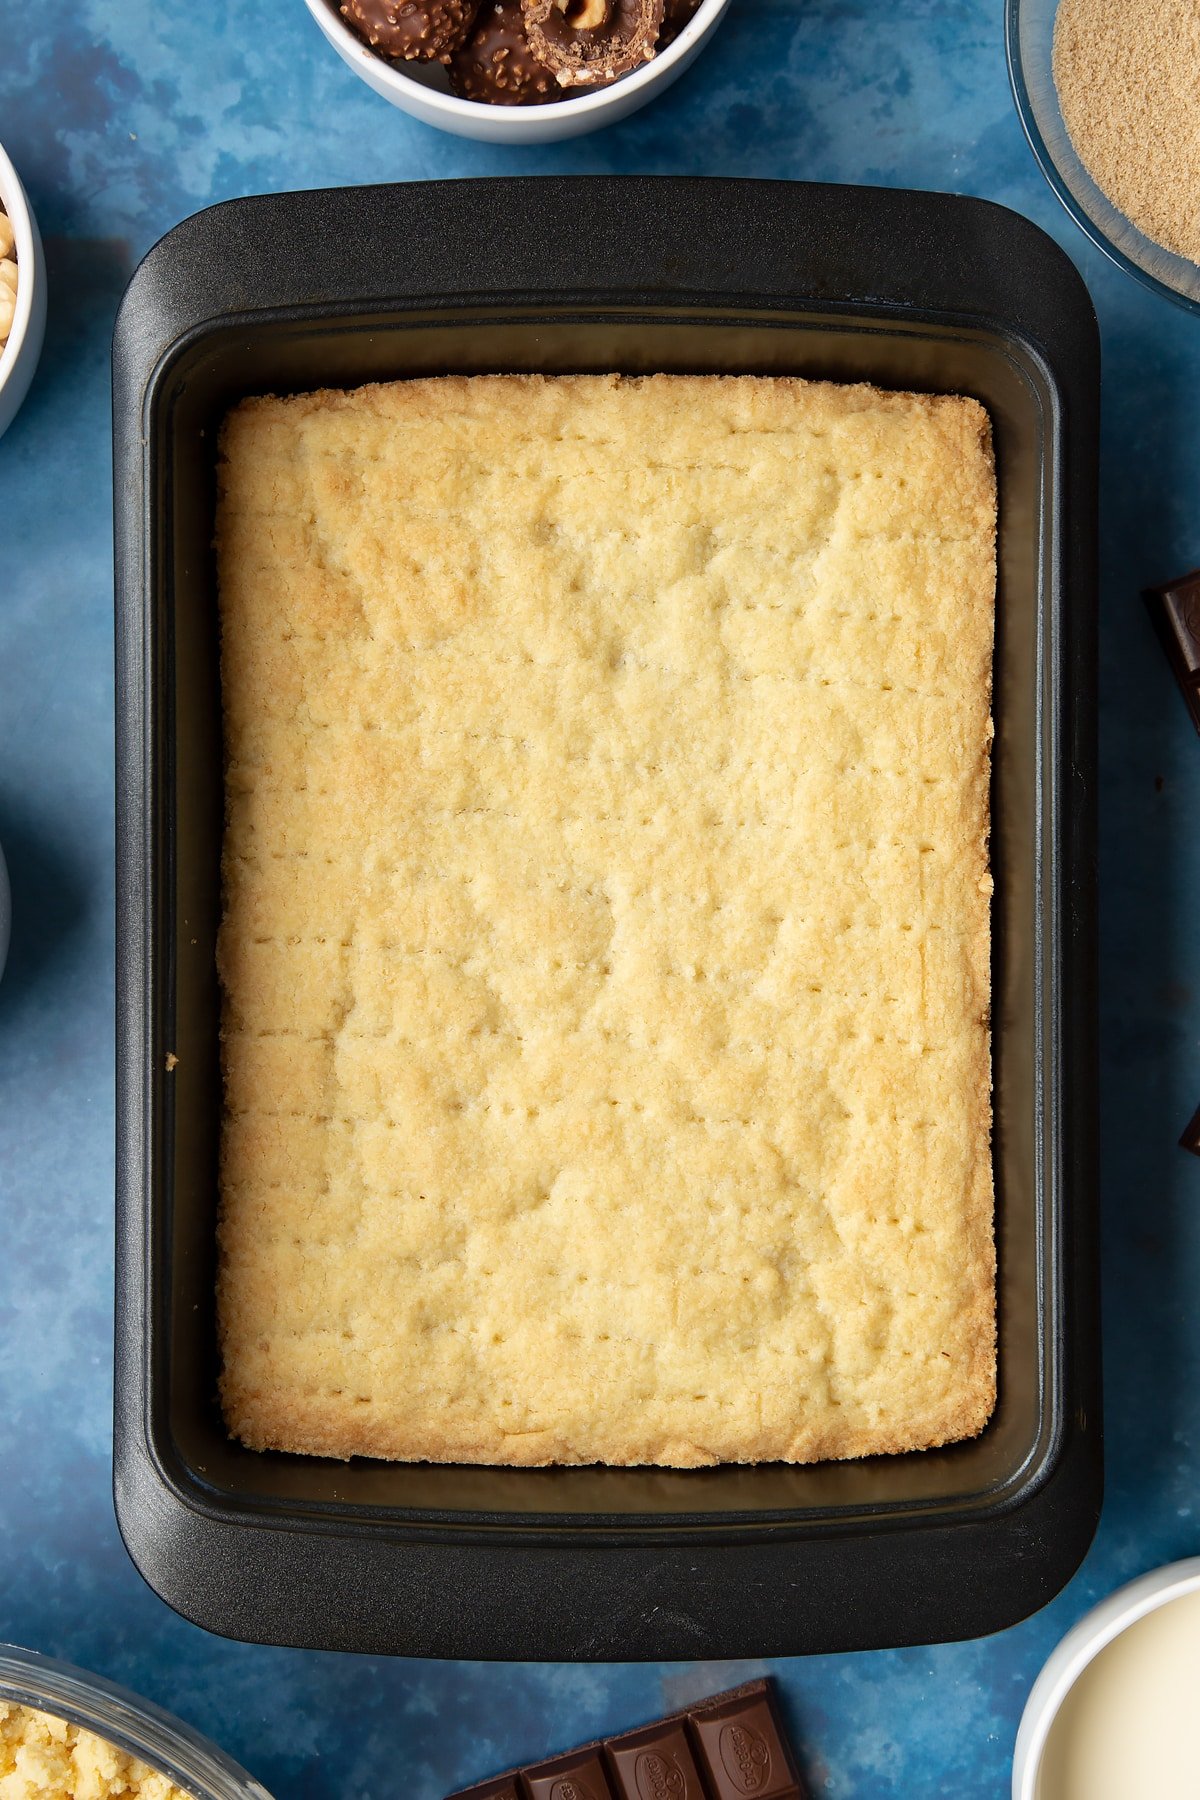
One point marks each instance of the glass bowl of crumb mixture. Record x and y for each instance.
(63, 1731)
(1108, 93)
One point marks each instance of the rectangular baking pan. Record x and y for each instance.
(904, 289)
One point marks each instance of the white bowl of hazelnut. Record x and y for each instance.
(22, 293)
(518, 71)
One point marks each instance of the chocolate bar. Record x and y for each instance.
(1191, 1134)
(1175, 609)
(730, 1747)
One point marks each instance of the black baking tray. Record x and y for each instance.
(905, 289)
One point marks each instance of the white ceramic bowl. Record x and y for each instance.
(1080, 1646)
(19, 357)
(423, 90)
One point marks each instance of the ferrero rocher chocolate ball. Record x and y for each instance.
(411, 30)
(496, 64)
(589, 43)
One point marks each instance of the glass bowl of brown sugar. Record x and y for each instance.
(1108, 94)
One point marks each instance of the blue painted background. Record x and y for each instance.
(124, 115)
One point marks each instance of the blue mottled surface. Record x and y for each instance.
(122, 116)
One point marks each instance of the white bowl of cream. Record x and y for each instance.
(1115, 1713)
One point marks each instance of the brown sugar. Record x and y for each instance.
(1128, 80)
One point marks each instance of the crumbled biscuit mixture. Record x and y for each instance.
(46, 1758)
(8, 277)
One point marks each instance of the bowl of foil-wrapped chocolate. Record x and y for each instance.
(518, 71)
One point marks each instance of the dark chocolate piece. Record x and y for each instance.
(1191, 1134)
(589, 43)
(496, 64)
(411, 30)
(655, 1763)
(730, 1747)
(676, 14)
(742, 1751)
(579, 1775)
(1175, 609)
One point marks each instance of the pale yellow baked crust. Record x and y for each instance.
(606, 951)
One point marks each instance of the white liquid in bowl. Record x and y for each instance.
(1130, 1727)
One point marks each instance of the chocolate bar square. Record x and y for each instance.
(579, 1775)
(655, 1763)
(742, 1752)
(1191, 1134)
(1175, 609)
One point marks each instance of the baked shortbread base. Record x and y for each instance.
(606, 951)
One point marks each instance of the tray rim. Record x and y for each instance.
(451, 1525)
(141, 362)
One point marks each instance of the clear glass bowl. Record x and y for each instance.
(133, 1725)
(1029, 42)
